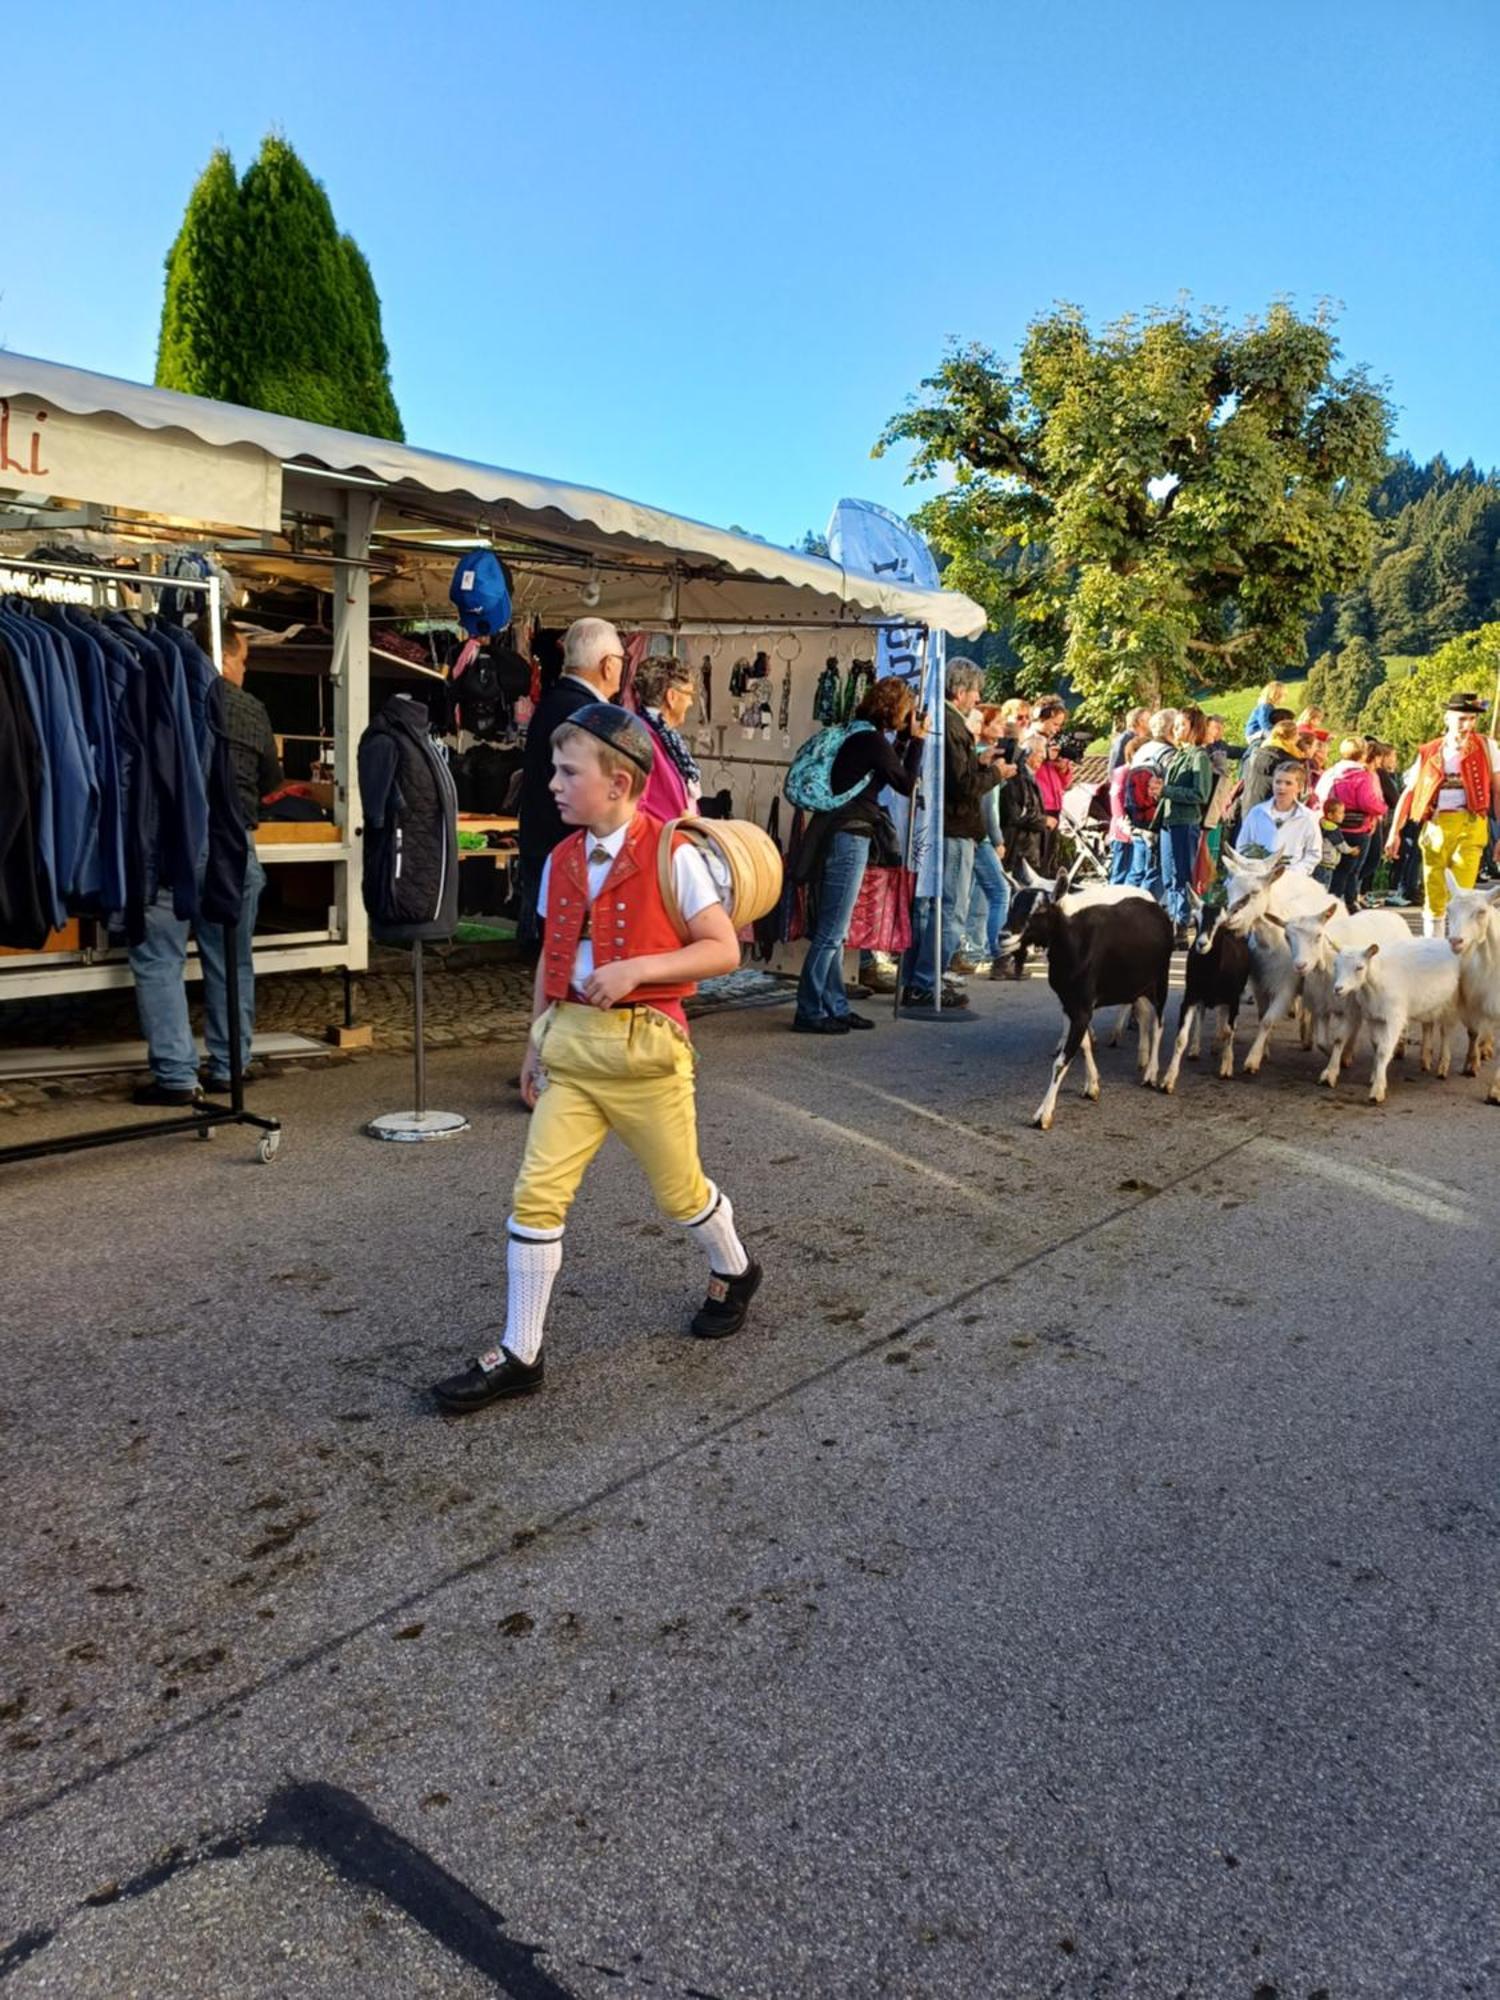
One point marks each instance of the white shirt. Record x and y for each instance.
(690, 877)
(1296, 834)
(1451, 794)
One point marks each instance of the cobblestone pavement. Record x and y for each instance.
(473, 993)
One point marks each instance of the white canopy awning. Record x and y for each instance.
(725, 576)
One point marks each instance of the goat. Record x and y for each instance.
(1314, 940)
(1259, 890)
(1104, 949)
(1214, 975)
(1474, 933)
(1393, 985)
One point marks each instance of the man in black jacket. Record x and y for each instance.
(967, 775)
(593, 666)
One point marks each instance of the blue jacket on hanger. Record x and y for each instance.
(69, 793)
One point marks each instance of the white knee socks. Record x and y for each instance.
(533, 1258)
(714, 1230)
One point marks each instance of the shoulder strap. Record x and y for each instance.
(670, 838)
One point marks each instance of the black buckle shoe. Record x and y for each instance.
(723, 1311)
(477, 1385)
(164, 1094)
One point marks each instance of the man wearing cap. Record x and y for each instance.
(593, 664)
(1453, 794)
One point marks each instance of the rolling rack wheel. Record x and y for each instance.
(205, 1131)
(268, 1148)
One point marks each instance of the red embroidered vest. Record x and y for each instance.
(628, 919)
(1474, 768)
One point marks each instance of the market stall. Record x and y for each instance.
(338, 549)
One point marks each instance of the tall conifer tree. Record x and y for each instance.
(268, 305)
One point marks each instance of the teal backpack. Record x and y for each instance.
(809, 779)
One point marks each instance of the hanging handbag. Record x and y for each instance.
(881, 920)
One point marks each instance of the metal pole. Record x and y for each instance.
(418, 1051)
(939, 699)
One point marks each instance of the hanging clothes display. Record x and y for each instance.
(411, 827)
(116, 725)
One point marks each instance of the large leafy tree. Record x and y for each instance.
(1156, 506)
(268, 305)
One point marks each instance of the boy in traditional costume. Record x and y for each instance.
(609, 1049)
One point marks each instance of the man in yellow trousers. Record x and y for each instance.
(1453, 794)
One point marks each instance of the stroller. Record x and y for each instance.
(1084, 820)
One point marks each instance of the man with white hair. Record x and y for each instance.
(593, 667)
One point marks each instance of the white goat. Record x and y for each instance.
(1474, 933)
(1258, 891)
(1393, 985)
(1314, 940)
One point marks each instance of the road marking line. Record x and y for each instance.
(856, 1138)
(1368, 1180)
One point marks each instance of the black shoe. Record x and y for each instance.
(827, 1026)
(916, 996)
(161, 1093)
(728, 1301)
(858, 1021)
(220, 1086)
(475, 1386)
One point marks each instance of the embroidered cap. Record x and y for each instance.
(1466, 703)
(617, 727)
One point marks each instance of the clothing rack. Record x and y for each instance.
(205, 1121)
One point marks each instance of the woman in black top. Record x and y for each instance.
(838, 847)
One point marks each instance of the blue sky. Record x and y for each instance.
(698, 254)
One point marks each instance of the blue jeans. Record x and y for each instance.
(161, 995)
(1122, 852)
(1345, 879)
(989, 902)
(820, 990)
(1145, 866)
(1179, 853)
(958, 886)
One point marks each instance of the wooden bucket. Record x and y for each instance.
(742, 858)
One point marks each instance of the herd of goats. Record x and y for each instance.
(1299, 951)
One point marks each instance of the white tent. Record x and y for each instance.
(651, 565)
(115, 466)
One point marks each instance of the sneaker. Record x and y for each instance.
(955, 994)
(161, 1093)
(881, 980)
(723, 1311)
(857, 1021)
(488, 1379)
(984, 968)
(961, 965)
(916, 996)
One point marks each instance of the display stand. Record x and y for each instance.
(204, 1122)
(419, 1123)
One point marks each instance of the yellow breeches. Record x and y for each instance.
(629, 1072)
(1450, 840)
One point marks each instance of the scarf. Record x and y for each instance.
(677, 750)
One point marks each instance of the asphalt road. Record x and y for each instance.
(1079, 1580)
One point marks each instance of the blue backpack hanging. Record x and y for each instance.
(480, 592)
(809, 778)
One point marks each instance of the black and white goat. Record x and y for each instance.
(1105, 948)
(1215, 974)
